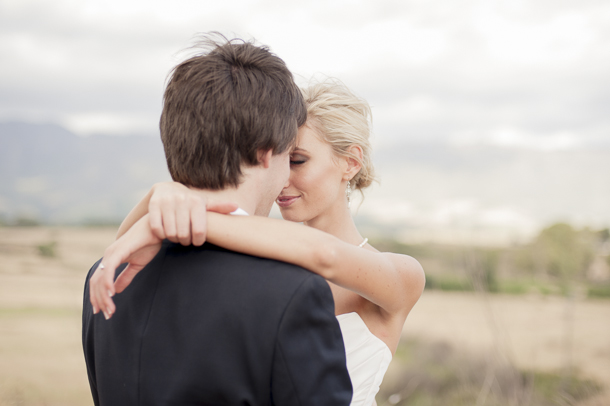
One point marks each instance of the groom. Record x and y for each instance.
(204, 325)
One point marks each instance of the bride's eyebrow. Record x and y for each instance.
(298, 149)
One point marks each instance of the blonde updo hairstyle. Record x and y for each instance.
(342, 119)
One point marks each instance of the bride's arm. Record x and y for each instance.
(135, 214)
(392, 281)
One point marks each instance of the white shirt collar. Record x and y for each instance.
(239, 212)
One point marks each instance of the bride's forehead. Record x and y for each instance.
(308, 138)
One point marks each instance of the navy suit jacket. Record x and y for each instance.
(208, 326)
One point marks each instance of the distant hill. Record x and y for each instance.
(54, 176)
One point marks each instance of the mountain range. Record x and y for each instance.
(54, 176)
(51, 175)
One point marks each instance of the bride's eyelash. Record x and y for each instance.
(297, 159)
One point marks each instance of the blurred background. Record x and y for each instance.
(492, 145)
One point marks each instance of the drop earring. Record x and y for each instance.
(348, 193)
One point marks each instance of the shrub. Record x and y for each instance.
(48, 249)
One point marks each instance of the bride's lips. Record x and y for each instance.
(285, 201)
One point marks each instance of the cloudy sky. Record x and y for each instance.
(512, 73)
(506, 72)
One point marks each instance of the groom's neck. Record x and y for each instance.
(232, 195)
(250, 195)
(247, 195)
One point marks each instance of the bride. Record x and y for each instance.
(373, 291)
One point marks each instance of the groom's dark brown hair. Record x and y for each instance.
(224, 105)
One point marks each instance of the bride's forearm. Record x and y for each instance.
(139, 211)
(390, 281)
(275, 239)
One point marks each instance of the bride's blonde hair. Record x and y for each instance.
(342, 119)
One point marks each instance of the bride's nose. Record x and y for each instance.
(287, 184)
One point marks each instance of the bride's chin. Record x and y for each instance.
(292, 215)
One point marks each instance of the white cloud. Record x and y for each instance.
(458, 220)
(515, 39)
(389, 210)
(507, 137)
(430, 69)
(35, 185)
(112, 123)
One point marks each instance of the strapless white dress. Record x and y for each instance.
(367, 356)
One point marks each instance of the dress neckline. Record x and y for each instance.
(346, 315)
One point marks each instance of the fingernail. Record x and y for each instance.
(110, 294)
(95, 310)
(106, 315)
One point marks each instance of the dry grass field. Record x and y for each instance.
(533, 333)
(41, 360)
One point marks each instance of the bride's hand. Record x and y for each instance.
(178, 213)
(138, 246)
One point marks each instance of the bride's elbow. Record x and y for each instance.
(414, 283)
(418, 278)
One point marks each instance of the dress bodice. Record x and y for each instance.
(367, 356)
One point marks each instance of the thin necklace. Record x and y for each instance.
(363, 242)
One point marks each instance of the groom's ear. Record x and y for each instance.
(264, 157)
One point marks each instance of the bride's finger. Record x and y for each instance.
(221, 207)
(125, 278)
(198, 225)
(155, 219)
(92, 297)
(94, 284)
(183, 225)
(116, 254)
(168, 214)
(101, 290)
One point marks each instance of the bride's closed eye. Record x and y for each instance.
(297, 159)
